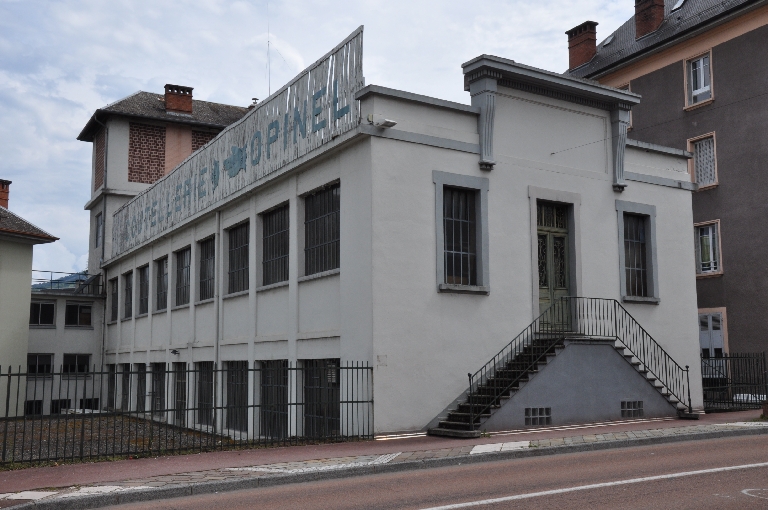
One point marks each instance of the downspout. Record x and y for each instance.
(103, 240)
(217, 296)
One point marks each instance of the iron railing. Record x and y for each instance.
(77, 283)
(572, 317)
(734, 382)
(156, 409)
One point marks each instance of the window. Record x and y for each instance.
(161, 267)
(273, 411)
(237, 395)
(158, 388)
(238, 258)
(76, 363)
(698, 79)
(143, 290)
(321, 230)
(183, 260)
(128, 303)
(704, 160)
(637, 252)
(275, 243)
(60, 404)
(113, 299)
(538, 416)
(99, 233)
(141, 387)
(39, 364)
(33, 407)
(180, 393)
(125, 387)
(708, 248)
(322, 397)
(207, 268)
(111, 385)
(632, 409)
(42, 314)
(204, 375)
(77, 314)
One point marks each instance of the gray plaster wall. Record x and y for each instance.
(585, 382)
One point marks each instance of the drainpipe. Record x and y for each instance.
(219, 283)
(103, 240)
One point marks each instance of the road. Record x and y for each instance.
(665, 476)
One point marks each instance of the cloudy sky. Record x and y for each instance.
(60, 60)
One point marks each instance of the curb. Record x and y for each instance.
(182, 490)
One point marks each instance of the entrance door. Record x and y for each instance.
(552, 239)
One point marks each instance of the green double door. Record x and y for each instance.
(552, 247)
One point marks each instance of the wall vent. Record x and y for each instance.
(632, 409)
(538, 416)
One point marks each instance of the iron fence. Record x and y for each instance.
(734, 382)
(137, 410)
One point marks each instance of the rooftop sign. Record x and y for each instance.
(311, 110)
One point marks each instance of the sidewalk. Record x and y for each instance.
(98, 484)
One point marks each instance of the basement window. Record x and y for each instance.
(538, 416)
(632, 409)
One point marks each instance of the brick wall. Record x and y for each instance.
(146, 153)
(99, 143)
(200, 138)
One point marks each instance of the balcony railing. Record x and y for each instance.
(76, 283)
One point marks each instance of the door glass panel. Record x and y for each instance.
(542, 250)
(558, 255)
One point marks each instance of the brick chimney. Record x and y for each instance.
(582, 44)
(649, 14)
(5, 190)
(178, 98)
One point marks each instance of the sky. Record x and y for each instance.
(61, 60)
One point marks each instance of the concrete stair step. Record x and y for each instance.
(464, 434)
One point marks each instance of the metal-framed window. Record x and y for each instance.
(322, 230)
(704, 163)
(183, 263)
(207, 268)
(275, 245)
(699, 79)
(637, 252)
(238, 258)
(99, 233)
(161, 294)
(322, 398)
(39, 364)
(42, 314)
(237, 395)
(128, 298)
(635, 255)
(113, 296)
(143, 290)
(708, 248)
(76, 363)
(77, 314)
(460, 235)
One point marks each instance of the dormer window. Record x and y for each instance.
(699, 79)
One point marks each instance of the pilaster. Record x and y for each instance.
(619, 126)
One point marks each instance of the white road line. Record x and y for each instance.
(595, 486)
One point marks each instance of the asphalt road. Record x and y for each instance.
(663, 476)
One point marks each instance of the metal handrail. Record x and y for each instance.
(574, 316)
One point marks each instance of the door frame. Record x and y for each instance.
(723, 325)
(573, 202)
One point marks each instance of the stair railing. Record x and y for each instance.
(573, 316)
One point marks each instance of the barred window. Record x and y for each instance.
(144, 289)
(77, 314)
(128, 308)
(141, 387)
(707, 249)
(161, 268)
(207, 268)
(460, 229)
(238, 258)
(704, 166)
(113, 299)
(237, 395)
(275, 242)
(635, 259)
(321, 230)
(204, 374)
(183, 260)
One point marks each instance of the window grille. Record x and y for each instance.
(157, 395)
(125, 388)
(183, 261)
(76, 363)
(144, 290)
(180, 393)
(205, 392)
(708, 249)
(128, 308)
(39, 364)
(77, 315)
(162, 284)
(207, 268)
(42, 314)
(704, 169)
(538, 416)
(99, 230)
(635, 262)
(275, 243)
(322, 406)
(274, 399)
(141, 387)
(459, 223)
(699, 80)
(113, 299)
(322, 230)
(632, 409)
(238, 258)
(237, 395)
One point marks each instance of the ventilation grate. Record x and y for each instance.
(632, 409)
(538, 416)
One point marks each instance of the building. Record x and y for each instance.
(17, 237)
(338, 222)
(691, 61)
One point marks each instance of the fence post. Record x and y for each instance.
(688, 377)
(7, 410)
(471, 407)
(82, 420)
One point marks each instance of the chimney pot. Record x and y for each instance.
(5, 190)
(582, 44)
(178, 98)
(649, 15)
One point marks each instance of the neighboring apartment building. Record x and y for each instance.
(342, 223)
(17, 237)
(696, 65)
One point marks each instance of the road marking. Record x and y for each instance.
(748, 492)
(596, 486)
